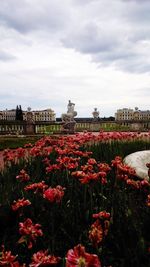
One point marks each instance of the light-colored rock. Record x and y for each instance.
(138, 161)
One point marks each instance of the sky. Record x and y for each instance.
(95, 53)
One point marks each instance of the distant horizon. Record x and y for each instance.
(81, 116)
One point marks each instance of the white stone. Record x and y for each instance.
(138, 162)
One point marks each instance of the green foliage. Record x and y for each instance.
(19, 113)
(107, 151)
(15, 142)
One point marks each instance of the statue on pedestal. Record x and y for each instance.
(95, 114)
(29, 115)
(68, 118)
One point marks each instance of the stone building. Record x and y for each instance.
(8, 115)
(41, 115)
(38, 115)
(132, 114)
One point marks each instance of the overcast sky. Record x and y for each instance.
(94, 52)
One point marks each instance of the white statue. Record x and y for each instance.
(95, 114)
(69, 116)
(70, 107)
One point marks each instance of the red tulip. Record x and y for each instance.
(77, 257)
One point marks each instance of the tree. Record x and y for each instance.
(19, 113)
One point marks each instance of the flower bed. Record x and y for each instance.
(70, 201)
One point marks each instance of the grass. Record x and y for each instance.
(17, 141)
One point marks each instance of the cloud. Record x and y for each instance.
(90, 38)
(110, 32)
(136, 1)
(94, 52)
(25, 16)
(113, 34)
(4, 56)
(138, 12)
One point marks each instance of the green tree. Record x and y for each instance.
(19, 113)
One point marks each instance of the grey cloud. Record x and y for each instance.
(114, 37)
(135, 66)
(4, 56)
(138, 13)
(25, 16)
(109, 32)
(83, 2)
(90, 38)
(107, 47)
(115, 56)
(140, 34)
(124, 59)
(135, 1)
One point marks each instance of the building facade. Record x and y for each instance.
(132, 114)
(8, 115)
(41, 115)
(38, 115)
